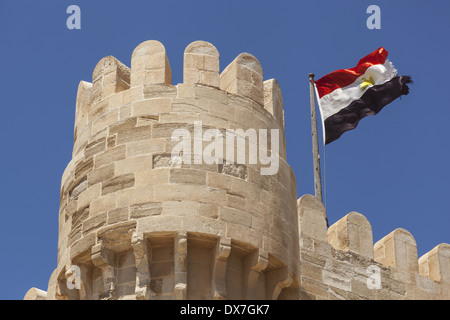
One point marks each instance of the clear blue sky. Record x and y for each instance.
(393, 168)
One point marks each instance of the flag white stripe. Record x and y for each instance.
(340, 98)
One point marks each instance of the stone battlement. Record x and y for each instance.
(335, 262)
(118, 92)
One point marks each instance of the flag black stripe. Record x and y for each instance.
(370, 103)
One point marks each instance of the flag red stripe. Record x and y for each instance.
(344, 77)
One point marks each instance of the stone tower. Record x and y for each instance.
(140, 225)
(138, 220)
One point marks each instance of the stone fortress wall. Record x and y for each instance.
(139, 225)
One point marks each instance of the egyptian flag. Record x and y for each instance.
(348, 95)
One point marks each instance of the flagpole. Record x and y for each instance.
(315, 141)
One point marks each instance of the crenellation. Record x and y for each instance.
(244, 77)
(352, 233)
(201, 64)
(273, 100)
(35, 294)
(109, 76)
(150, 65)
(398, 249)
(435, 264)
(105, 109)
(347, 267)
(82, 106)
(312, 218)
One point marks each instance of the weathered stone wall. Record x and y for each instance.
(343, 263)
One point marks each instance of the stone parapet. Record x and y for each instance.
(342, 262)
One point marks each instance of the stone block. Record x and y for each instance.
(165, 130)
(132, 95)
(82, 101)
(134, 134)
(189, 106)
(79, 216)
(83, 167)
(203, 225)
(235, 201)
(209, 210)
(103, 204)
(352, 233)
(109, 76)
(122, 126)
(185, 90)
(117, 215)
(311, 271)
(248, 190)
(125, 111)
(110, 156)
(116, 101)
(159, 91)
(235, 216)
(126, 275)
(187, 176)
(83, 245)
(101, 174)
(117, 236)
(78, 188)
(178, 192)
(145, 209)
(94, 223)
(397, 249)
(95, 147)
(201, 64)
(71, 207)
(273, 100)
(133, 165)
(158, 223)
(218, 180)
(137, 194)
(152, 106)
(152, 177)
(180, 208)
(147, 146)
(75, 234)
(435, 264)
(316, 289)
(104, 120)
(150, 65)
(244, 76)
(89, 195)
(218, 109)
(211, 93)
(35, 294)
(118, 183)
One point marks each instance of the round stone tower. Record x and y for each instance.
(178, 191)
